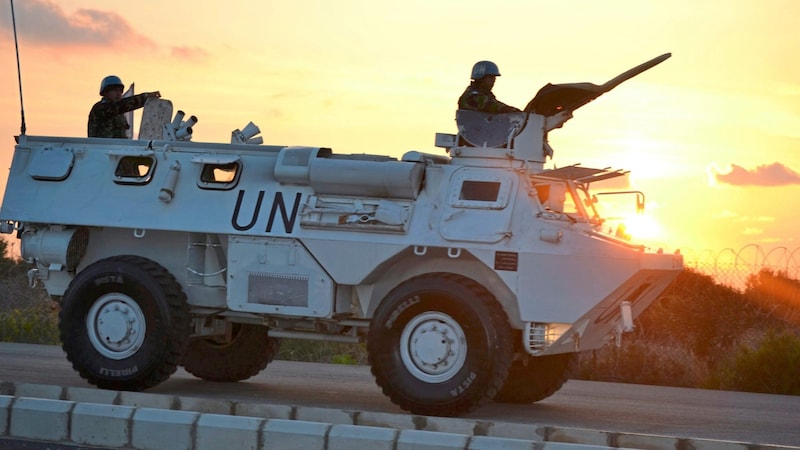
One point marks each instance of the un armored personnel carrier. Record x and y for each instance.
(472, 274)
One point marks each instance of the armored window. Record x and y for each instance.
(557, 197)
(482, 191)
(220, 176)
(134, 169)
(217, 171)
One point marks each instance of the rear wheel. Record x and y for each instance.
(439, 344)
(243, 354)
(536, 377)
(124, 323)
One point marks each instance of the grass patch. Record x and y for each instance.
(326, 352)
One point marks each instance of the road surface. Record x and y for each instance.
(630, 408)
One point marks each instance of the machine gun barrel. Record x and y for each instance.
(628, 74)
(554, 98)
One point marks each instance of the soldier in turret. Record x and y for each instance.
(107, 119)
(478, 96)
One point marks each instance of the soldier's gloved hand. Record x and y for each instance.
(155, 94)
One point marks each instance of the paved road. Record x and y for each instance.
(689, 413)
(22, 444)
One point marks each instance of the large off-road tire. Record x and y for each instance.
(124, 323)
(439, 344)
(247, 353)
(536, 378)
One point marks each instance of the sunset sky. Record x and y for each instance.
(712, 135)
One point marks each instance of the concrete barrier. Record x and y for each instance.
(87, 416)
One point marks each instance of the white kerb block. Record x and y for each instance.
(386, 420)
(264, 410)
(707, 444)
(160, 429)
(578, 436)
(147, 400)
(5, 412)
(223, 432)
(102, 425)
(573, 446)
(648, 442)
(44, 391)
(206, 405)
(325, 415)
(91, 395)
(41, 419)
(431, 440)
(493, 443)
(280, 434)
(355, 437)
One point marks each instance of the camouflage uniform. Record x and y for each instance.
(477, 99)
(106, 119)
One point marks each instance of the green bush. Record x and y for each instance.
(26, 315)
(771, 367)
(36, 324)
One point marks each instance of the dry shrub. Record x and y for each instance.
(699, 315)
(777, 294)
(639, 361)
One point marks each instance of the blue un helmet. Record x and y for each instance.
(483, 68)
(109, 81)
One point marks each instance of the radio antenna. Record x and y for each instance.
(19, 72)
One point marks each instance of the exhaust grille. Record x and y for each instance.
(277, 289)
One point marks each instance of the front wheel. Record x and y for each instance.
(439, 344)
(124, 323)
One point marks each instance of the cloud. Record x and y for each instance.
(189, 53)
(43, 22)
(734, 217)
(725, 214)
(775, 174)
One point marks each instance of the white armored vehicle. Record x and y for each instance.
(471, 275)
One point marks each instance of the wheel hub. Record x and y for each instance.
(433, 347)
(116, 326)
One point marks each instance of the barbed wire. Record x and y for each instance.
(732, 267)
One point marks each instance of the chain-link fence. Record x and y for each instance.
(731, 267)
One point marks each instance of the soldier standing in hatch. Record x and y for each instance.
(478, 96)
(107, 119)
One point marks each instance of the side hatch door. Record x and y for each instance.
(478, 205)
